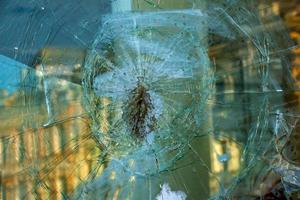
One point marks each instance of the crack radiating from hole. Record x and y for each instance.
(138, 111)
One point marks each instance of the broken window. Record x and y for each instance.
(149, 99)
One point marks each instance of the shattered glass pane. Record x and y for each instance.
(149, 99)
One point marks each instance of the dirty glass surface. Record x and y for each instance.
(149, 99)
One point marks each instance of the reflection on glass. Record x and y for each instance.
(156, 99)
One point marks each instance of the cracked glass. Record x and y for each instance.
(149, 99)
